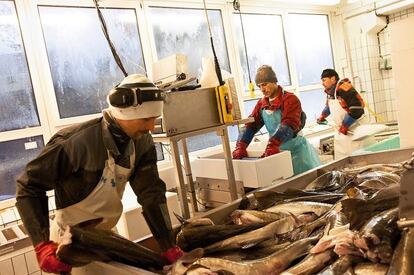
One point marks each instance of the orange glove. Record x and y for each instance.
(272, 147)
(46, 256)
(240, 151)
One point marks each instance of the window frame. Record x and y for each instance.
(283, 11)
(40, 74)
(55, 122)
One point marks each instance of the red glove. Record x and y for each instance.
(46, 256)
(343, 130)
(240, 151)
(272, 147)
(172, 254)
(321, 120)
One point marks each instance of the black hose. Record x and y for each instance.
(111, 45)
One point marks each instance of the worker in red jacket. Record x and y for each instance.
(346, 106)
(280, 112)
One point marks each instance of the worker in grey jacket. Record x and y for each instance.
(88, 165)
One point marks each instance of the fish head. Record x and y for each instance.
(182, 265)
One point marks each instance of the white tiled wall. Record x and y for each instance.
(366, 51)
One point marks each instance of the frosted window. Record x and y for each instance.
(211, 139)
(311, 45)
(14, 155)
(185, 31)
(17, 104)
(265, 43)
(82, 66)
(313, 102)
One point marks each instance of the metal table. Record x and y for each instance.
(173, 140)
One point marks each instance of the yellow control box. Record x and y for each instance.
(224, 104)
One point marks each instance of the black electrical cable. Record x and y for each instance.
(216, 63)
(106, 34)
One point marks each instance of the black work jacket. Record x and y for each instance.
(71, 164)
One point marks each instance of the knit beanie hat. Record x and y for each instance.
(135, 97)
(265, 73)
(329, 73)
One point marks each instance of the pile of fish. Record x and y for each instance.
(343, 222)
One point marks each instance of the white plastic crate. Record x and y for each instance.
(253, 173)
(132, 224)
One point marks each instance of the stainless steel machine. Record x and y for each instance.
(186, 111)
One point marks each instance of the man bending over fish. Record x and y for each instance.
(88, 165)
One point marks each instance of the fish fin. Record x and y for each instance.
(296, 220)
(180, 218)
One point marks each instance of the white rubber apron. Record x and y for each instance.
(103, 202)
(343, 144)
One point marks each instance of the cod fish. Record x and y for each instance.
(330, 181)
(255, 216)
(200, 236)
(379, 235)
(180, 266)
(271, 265)
(259, 251)
(377, 179)
(342, 265)
(300, 207)
(371, 269)
(402, 262)
(266, 199)
(359, 210)
(254, 237)
(84, 245)
(311, 264)
(389, 168)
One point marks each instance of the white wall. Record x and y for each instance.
(402, 53)
(364, 52)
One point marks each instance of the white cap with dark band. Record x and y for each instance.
(136, 97)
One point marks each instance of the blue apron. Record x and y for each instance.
(304, 156)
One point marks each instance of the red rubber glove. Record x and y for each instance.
(46, 256)
(172, 254)
(321, 120)
(343, 130)
(240, 151)
(272, 147)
